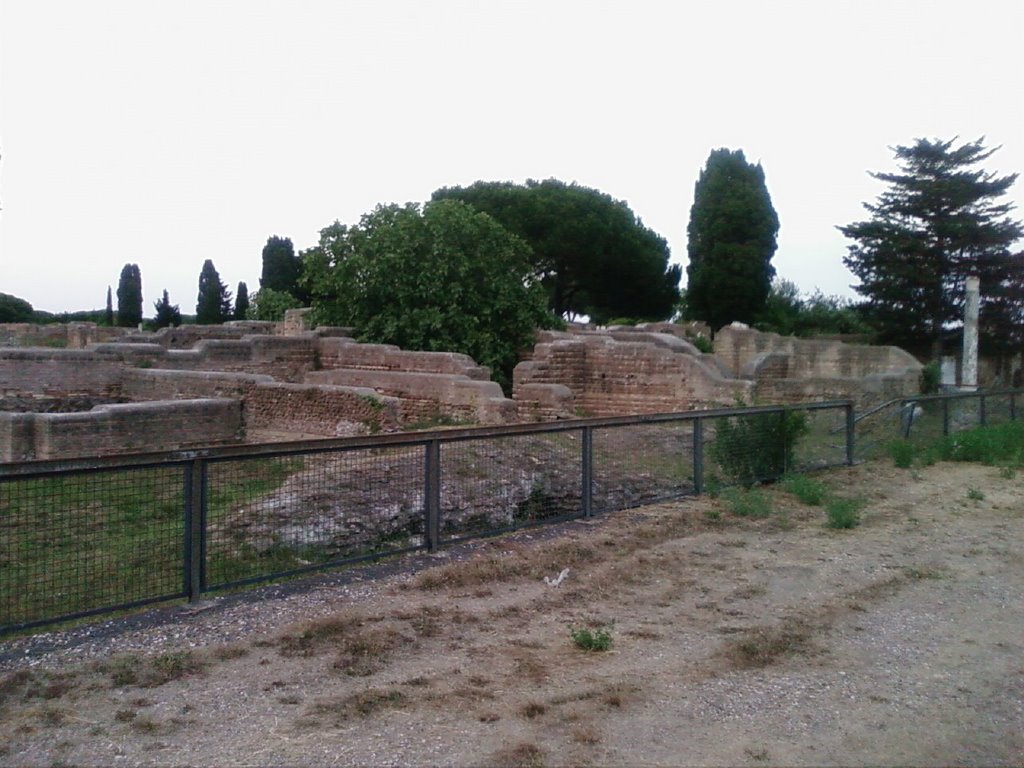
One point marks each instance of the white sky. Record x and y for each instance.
(166, 133)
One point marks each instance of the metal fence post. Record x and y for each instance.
(587, 471)
(698, 455)
(1013, 406)
(194, 565)
(945, 417)
(432, 493)
(851, 427)
(981, 411)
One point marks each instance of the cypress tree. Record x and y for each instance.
(731, 241)
(214, 301)
(129, 296)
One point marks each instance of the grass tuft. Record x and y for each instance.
(807, 489)
(843, 513)
(751, 502)
(591, 640)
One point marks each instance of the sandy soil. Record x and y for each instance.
(734, 642)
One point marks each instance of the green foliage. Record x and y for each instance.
(807, 489)
(998, 444)
(703, 344)
(787, 313)
(129, 296)
(444, 278)
(730, 241)
(167, 314)
(902, 453)
(593, 255)
(748, 502)
(15, 310)
(268, 304)
(975, 494)
(757, 447)
(591, 640)
(843, 513)
(936, 223)
(281, 268)
(241, 302)
(213, 305)
(108, 315)
(930, 377)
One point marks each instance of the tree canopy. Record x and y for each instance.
(441, 277)
(15, 310)
(241, 302)
(938, 221)
(591, 253)
(281, 267)
(730, 241)
(167, 314)
(268, 304)
(214, 301)
(129, 296)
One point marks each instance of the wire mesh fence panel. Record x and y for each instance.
(75, 543)
(923, 421)
(876, 428)
(999, 409)
(964, 413)
(271, 516)
(501, 482)
(642, 464)
(820, 443)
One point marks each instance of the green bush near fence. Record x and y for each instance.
(757, 447)
(1000, 444)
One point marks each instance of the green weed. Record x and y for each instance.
(752, 502)
(807, 489)
(843, 513)
(975, 494)
(902, 453)
(591, 640)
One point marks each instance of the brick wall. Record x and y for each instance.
(606, 377)
(330, 411)
(112, 429)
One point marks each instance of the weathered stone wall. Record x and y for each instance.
(753, 354)
(346, 353)
(58, 335)
(607, 376)
(428, 396)
(59, 372)
(271, 406)
(112, 429)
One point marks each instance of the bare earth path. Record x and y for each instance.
(735, 642)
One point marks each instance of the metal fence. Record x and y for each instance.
(84, 537)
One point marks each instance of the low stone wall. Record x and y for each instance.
(428, 396)
(752, 354)
(59, 372)
(347, 353)
(268, 405)
(112, 429)
(606, 376)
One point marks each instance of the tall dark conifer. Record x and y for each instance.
(939, 221)
(241, 301)
(731, 241)
(214, 302)
(129, 296)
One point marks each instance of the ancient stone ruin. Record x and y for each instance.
(81, 390)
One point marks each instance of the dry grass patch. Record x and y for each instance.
(151, 671)
(521, 755)
(359, 704)
(761, 646)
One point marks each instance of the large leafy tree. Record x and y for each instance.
(939, 221)
(214, 302)
(129, 296)
(591, 253)
(730, 241)
(15, 310)
(440, 277)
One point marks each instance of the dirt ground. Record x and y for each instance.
(734, 641)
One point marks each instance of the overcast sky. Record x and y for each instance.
(166, 133)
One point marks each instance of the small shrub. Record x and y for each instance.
(975, 494)
(808, 490)
(930, 378)
(703, 344)
(591, 640)
(757, 447)
(843, 513)
(752, 502)
(902, 453)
